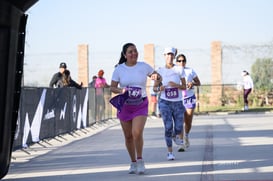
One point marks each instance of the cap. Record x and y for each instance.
(100, 73)
(63, 65)
(244, 73)
(170, 50)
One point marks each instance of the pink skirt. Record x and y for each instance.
(129, 112)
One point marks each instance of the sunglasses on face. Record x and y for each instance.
(180, 61)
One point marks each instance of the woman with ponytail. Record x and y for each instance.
(130, 77)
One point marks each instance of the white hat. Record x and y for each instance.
(170, 50)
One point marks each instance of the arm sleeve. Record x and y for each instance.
(75, 84)
(54, 80)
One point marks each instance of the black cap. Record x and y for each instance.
(63, 65)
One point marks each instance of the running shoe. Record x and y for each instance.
(245, 108)
(133, 168)
(177, 140)
(181, 148)
(153, 115)
(170, 156)
(140, 167)
(187, 142)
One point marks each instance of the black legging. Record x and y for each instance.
(246, 92)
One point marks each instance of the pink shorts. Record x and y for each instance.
(129, 112)
(154, 98)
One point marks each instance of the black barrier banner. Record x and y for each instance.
(80, 103)
(29, 119)
(46, 112)
(48, 121)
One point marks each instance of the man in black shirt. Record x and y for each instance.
(58, 76)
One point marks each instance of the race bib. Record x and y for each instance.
(135, 96)
(190, 100)
(171, 93)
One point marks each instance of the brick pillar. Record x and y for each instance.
(149, 54)
(216, 72)
(83, 68)
(149, 57)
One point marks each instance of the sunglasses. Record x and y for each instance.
(180, 61)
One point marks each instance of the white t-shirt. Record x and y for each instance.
(248, 82)
(133, 76)
(173, 74)
(190, 75)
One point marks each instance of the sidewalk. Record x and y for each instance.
(223, 147)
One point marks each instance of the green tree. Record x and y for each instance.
(262, 74)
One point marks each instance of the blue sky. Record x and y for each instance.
(56, 28)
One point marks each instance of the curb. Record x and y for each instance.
(47, 145)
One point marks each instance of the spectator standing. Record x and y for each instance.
(248, 87)
(131, 75)
(100, 84)
(92, 83)
(92, 96)
(66, 81)
(59, 75)
(189, 98)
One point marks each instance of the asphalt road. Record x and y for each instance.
(223, 147)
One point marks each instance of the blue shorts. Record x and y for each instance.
(190, 102)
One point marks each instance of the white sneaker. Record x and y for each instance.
(140, 167)
(246, 108)
(187, 142)
(133, 168)
(177, 140)
(170, 156)
(181, 148)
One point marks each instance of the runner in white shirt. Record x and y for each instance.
(170, 101)
(189, 98)
(130, 77)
